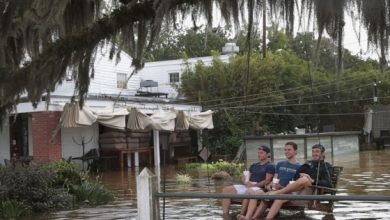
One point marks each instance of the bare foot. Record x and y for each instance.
(243, 218)
(225, 216)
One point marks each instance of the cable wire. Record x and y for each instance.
(296, 99)
(301, 104)
(291, 90)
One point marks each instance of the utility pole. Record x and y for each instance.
(375, 93)
(264, 46)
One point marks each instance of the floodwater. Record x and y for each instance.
(365, 173)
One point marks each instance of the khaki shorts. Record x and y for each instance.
(241, 189)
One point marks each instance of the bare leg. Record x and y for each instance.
(260, 209)
(293, 187)
(298, 185)
(251, 207)
(275, 207)
(252, 203)
(226, 202)
(244, 206)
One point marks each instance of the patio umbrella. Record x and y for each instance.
(182, 122)
(72, 116)
(137, 120)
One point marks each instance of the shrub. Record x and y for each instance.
(183, 178)
(33, 186)
(56, 199)
(192, 166)
(60, 185)
(67, 174)
(92, 193)
(12, 209)
(234, 169)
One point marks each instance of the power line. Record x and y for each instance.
(297, 99)
(290, 90)
(300, 104)
(309, 114)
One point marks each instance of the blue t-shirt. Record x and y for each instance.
(258, 171)
(286, 171)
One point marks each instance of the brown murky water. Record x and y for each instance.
(365, 173)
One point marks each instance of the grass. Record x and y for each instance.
(234, 169)
(183, 178)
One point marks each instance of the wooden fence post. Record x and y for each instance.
(148, 204)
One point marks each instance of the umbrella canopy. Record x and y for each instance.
(368, 123)
(72, 116)
(137, 120)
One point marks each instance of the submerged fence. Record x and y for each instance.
(149, 206)
(273, 197)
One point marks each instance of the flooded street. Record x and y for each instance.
(365, 173)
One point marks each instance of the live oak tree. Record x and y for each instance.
(41, 40)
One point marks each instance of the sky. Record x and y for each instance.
(352, 32)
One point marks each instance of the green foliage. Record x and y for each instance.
(234, 169)
(54, 199)
(67, 174)
(172, 44)
(57, 186)
(192, 166)
(32, 185)
(12, 209)
(285, 90)
(183, 178)
(92, 193)
(277, 40)
(241, 40)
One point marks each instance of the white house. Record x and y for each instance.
(31, 132)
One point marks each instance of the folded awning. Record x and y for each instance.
(202, 120)
(113, 118)
(170, 120)
(72, 116)
(137, 120)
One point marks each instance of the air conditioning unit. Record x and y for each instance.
(148, 83)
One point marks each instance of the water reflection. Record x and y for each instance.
(365, 173)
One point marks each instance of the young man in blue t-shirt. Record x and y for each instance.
(313, 172)
(260, 175)
(285, 171)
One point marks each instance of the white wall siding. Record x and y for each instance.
(69, 148)
(4, 143)
(105, 80)
(105, 77)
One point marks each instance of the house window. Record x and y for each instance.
(174, 77)
(121, 79)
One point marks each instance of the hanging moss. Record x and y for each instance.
(40, 40)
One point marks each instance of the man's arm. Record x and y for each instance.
(269, 185)
(326, 173)
(266, 181)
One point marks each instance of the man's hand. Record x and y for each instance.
(276, 186)
(250, 184)
(306, 176)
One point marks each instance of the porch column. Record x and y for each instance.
(156, 146)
